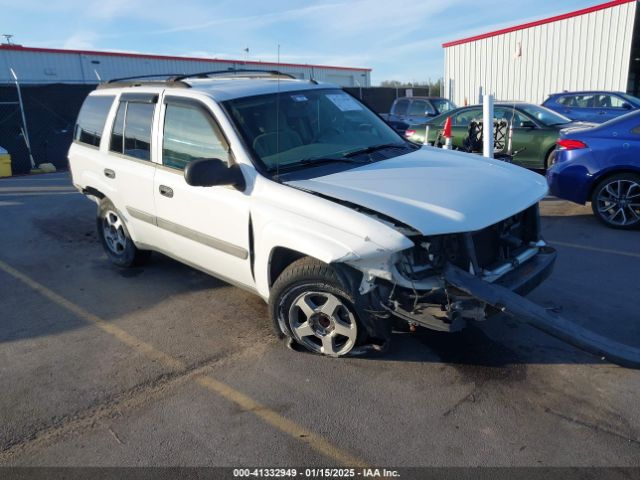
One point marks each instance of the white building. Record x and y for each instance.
(47, 65)
(596, 48)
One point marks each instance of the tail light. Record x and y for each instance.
(409, 133)
(568, 144)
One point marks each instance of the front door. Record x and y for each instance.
(207, 227)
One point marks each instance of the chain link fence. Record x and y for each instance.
(51, 112)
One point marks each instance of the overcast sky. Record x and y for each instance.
(399, 40)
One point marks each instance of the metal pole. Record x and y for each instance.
(487, 126)
(25, 132)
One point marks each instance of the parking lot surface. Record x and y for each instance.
(164, 365)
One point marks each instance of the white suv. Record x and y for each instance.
(298, 192)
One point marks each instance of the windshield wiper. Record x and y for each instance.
(374, 148)
(314, 160)
(344, 159)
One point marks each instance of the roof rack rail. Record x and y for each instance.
(158, 79)
(177, 80)
(168, 76)
(235, 73)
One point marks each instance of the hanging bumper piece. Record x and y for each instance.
(523, 310)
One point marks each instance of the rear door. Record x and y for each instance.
(129, 167)
(207, 227)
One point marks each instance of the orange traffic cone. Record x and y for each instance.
(447, 134)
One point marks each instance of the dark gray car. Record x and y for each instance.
(410, 110)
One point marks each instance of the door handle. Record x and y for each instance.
(109, 173)
(166, 191)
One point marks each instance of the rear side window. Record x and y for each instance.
(567, 101)
(131, 133)
(190, 133)
(465, 117)
(419, 107)
(91, 119)
(401, 107)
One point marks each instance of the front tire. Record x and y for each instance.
(115, 238)
(309, 304)
(616, 201)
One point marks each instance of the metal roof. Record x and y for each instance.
(168, 57)
(536, 23)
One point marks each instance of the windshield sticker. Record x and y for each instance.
(344, 102)
(299, 98)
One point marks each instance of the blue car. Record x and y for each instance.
(601, 165)
(595, 106)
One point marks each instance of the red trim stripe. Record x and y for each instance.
(536, 23)
(167, 57)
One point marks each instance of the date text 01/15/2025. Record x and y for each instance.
(315, 473)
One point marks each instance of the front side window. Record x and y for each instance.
(298, 128)
(442, 104)
(512, 116)
(543, 114)
(131, 133)
(91, 120)
(616, 102)
(190, 133)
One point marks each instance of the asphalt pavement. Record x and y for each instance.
(163, 365)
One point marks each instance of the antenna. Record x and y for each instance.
(97, 75)
(8, 37)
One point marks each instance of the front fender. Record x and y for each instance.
(326, 243)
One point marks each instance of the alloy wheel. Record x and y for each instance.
(323, 323)
(113, 231)
(619, 202)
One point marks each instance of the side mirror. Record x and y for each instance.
(527, 124)
(627, 106)
(209, 172)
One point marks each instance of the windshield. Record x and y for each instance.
(442, 104)
(543, 115)
(631, 99)
(310, 126)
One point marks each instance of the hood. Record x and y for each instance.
(435, 191)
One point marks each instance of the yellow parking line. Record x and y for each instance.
(283, 424)
(245, 402)
(595, 249)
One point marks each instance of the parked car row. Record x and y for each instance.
(593, 106)
(588, 143)
(535, 130)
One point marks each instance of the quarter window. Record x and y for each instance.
(131, 133)
(419, 108)
(401, 107)
(190, 133)
(92, 118)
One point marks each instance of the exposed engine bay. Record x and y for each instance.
(417, 291)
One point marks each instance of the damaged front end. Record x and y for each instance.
(412, 285)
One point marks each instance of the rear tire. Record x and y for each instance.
(616, 201)
(115, 237)
(309, 304)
